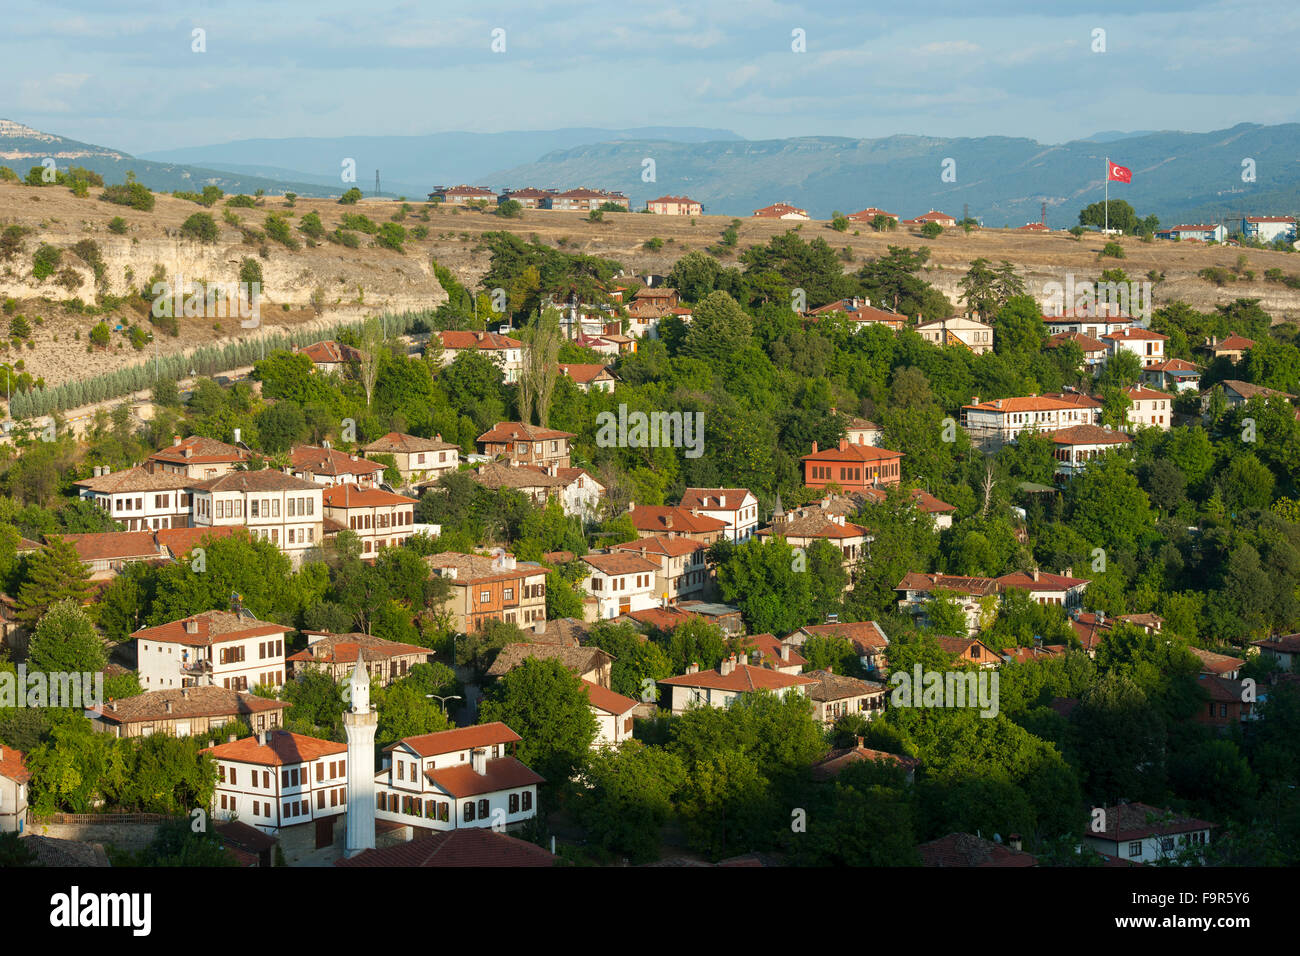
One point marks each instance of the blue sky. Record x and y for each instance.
(122, 73)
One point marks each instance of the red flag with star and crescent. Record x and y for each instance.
(1119, 174)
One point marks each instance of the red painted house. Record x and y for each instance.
(852, 466)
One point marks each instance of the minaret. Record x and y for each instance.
(360, 722)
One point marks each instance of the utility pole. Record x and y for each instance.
(376, 184)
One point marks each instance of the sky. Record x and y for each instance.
(125, 74)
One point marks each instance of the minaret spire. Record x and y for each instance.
(360, 721)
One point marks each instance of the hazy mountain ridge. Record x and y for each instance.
(1178, 176)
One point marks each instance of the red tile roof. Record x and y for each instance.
(203, 451)
(110, 545)
(13, 766)
(745, 677)
(852, 451)
(460, 738)
(348, 495)
(965, 849)
(515, 431)
(842, 757)
(1234, 343)
(659, 544)
(282, 747)
(584, 373)
(330, 352)
(485, 341)
(769, 647)
(503, 773)
(462, 847)
(1045, 581)
(605, 699)
(620, 563)
(1136, 821)
(402, 444)
(865, 636)
(661, 518)
(1134, 332)
(1036, 403)
(331, 461)
(180, 541)
(211, 627)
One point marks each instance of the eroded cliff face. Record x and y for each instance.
(308, 287)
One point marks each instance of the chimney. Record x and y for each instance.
(1014, 841)
(185, 693)
(974, 399)
(167, 706)
(1069, 572)
(230, 739)
(108, 469)
(176, 440)
(814, 450)
(785, 652)
(1034, 574)
(744, 660)
(540, 627)
(189, 452)
(478, 761)
(693, 668)
(844, 444)
(860, 744)
(237, 434)
(191, 626)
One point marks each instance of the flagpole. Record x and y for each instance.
(1106, 229)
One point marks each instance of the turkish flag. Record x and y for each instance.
(1119, 174)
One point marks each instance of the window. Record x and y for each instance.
(528, 800)
(469, 810)
(483, 809)
(1166, 844)
(320, 800)
(514, 803)
(1135, 848)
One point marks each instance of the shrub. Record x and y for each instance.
(931, 230)
(1111, 250)
(348, 239)
(201, 227)
(839, 221)
(511, 209)
(277, 227)
(391, 236)
(310, 225)
(351, 197)
(139, 338)
(134, 195)
(99, 335)
(250, 271)
(117, 225)
(241, 201)
(359, 222)
(45, 261)
(654, 244)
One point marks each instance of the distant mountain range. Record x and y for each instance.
(412, 165)
(1181, 177)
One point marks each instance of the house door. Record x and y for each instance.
(624, 607)
(324, 832)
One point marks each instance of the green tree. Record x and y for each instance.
(201, 227)
(628, 797)
(65, 640)
(54, 573)
(548, 707)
